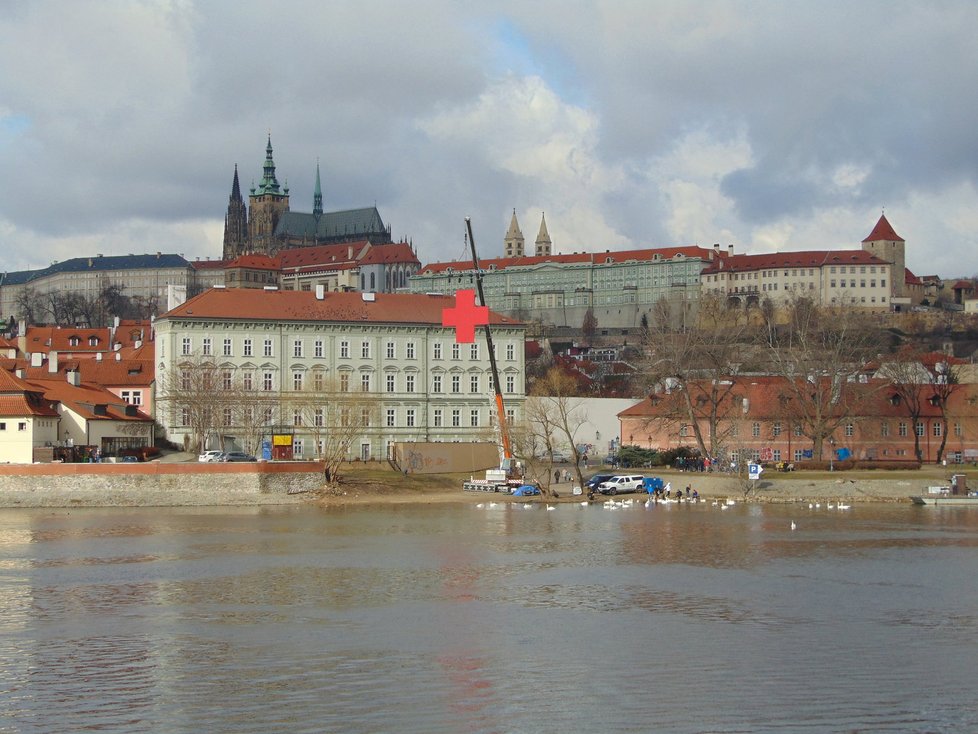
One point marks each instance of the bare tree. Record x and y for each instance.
(695, 365)
(819, 352)
(552, 415)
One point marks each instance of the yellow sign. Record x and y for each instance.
(282, 440)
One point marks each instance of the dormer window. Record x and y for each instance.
(92, 341)
(73, 341)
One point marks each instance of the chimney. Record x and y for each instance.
(746, 405)
(52, 362)
(98, 356)
(320, 291)
(19, 373)
(118, 357)
(37, 359)
(137, 344)
(730, 249)
(74, 378)
(349, 252)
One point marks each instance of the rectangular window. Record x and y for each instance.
(248, 348)
(226, 379)
(902, 428)
(409, 383)
(297, 381)
(319, 418)
(755, 429)
(510, 352)
(184, 417)
(474, 418)
(390, 383)
(473, 383)
(187, 347)
(884, 429)
(776, 430)
(456, 384)
(268, 348)
(318, 348)
(344, 382)
(297, 348)
(247, 380)
(409, 417)
(474, 350)
(391, 417)
(206, 346)
(438, 418)
(365, 350)
(436, 383)
(365, 417)
(365, 383)
(344, 349)
(776, 455)
(317, 381)
(957, 429)
(409, 350)
(456, 351)
(510, 384)
(850, 429)
(919, 428)
(391, 350)
(266, 382)
(456, 418)
(799, 454)
(296, 416)
(436, 353)
(22, 426)
(228, 352)
(937, 429)
(344, 417)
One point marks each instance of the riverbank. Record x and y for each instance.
(365, 485)
(178, 480)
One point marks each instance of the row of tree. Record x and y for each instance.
(821, 353)
(76, 308)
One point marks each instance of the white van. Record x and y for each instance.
(621, 483)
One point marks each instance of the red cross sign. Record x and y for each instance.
(465, 316)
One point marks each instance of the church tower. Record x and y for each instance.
(317, 197)
(513, 244)
(235, 223)
(887, 245)
(267, 202)
(543, 245)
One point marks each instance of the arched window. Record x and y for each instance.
(373, 280)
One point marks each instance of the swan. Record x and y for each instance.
(731, 502)
(550, 507)
(585, 503)
(841, 506)
(829, 506)
(480, 505)
(527, 505)
(793, 526)
(492, 504)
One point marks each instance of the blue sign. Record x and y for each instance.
(266, 450)
(807, 453)
(754, 471)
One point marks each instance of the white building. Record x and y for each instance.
(292, 347)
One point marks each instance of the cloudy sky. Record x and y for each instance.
(766, 125)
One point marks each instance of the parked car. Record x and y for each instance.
(209, 456)
(593, 482)
(526, 490)
(621, 483)
(142, 453)
(236, 456)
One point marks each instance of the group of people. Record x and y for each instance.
(562, 475)
(694, 463)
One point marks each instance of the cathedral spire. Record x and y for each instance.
(513, 243)
(317, 195)
(269, 184)
(235, 222)
(543, 243)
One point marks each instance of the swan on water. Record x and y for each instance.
(793, 526)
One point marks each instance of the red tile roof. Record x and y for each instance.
(298, 257)
(799, 259)
(255, 262)
(397, 252)
(910, 279)
(583, 258)
(208, 264)
(387, 308)
(58, 338)
(82, 399)
(883, 231)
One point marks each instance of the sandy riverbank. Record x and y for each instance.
(377, 486)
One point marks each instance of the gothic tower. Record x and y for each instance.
(543, 244)
(235, 223)
(317, 197)
(887, 245)
(513, 244)
(267, 202)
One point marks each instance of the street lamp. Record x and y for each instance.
(831, 454)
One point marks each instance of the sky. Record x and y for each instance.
(763, 125)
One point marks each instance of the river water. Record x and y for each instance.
(452, 618)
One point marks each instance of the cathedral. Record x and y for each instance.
(267, 225)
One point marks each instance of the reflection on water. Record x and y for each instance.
(456, 619)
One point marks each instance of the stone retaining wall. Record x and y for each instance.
(157, 484)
